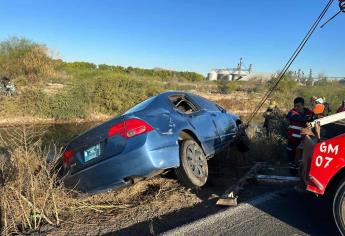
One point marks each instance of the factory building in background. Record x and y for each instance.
(231, 74)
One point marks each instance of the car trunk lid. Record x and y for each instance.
(90, 147)
(102, 142)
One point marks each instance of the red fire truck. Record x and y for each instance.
(325, 161)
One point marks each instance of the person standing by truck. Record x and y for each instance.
(298, 118)
(269, 115)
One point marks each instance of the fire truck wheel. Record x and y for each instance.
(339, 207)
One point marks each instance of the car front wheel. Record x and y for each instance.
(193, 169)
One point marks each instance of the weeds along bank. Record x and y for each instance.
(112, 94)
(32, 199)
(82, 99)
(50, 88)
(28, 190)
(287, 90)
(85, 88)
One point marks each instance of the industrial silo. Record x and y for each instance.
(223, 75)
(212, 76)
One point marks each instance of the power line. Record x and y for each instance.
(290, 61)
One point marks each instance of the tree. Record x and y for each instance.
(22, 57)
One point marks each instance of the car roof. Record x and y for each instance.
(170, 93)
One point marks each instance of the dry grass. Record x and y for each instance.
(32, 200)
(30, 196)
(236, 102)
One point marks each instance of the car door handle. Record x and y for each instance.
(214, 115)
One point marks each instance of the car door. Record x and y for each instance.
(206, 128)
(225, 125)
(202, 123)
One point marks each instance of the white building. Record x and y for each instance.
(234, 74)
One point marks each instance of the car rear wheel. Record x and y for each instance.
(193, 169)
(339, 207)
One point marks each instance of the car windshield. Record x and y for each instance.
(140, 106)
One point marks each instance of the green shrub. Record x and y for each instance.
(223, 86)
(64, 105)
(232, 86)
(85, 70)
(33, 102)
(333, 92)
(21, 57)
(118, 95)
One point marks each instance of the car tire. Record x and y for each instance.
(339, 207)
(193, 169)
(243, 141)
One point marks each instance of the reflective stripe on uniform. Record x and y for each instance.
(289, 149)
(296, 135)
(295, 127)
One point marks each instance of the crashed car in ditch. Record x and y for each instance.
(171, 131)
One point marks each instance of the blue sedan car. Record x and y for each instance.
(173, 130)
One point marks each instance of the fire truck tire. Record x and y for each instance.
(339, 207)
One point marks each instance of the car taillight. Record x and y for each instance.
(130, 128)
(67, 157)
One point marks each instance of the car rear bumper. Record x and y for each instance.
(143, 161)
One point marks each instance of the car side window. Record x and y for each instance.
(182, 104)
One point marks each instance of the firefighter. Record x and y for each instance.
(321, 102)
(298, 118)
(320, 110)
(268, 115)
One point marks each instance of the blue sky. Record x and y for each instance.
(194, 35)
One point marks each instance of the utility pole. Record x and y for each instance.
(240, 65)
(250, 68)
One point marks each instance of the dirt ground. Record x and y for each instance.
(158, 204)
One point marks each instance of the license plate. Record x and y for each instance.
(92, 153)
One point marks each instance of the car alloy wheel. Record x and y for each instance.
(193, 169)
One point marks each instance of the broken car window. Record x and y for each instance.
(183, 104)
